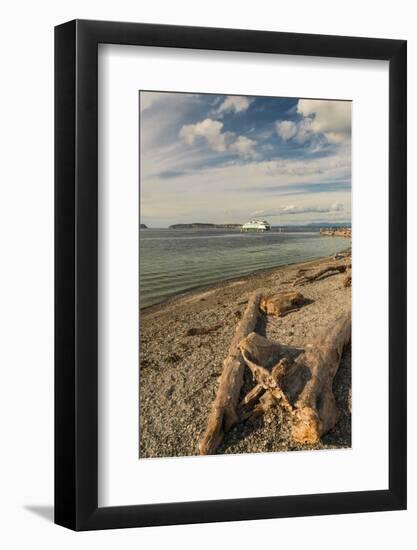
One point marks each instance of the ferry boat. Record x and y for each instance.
(256, 225)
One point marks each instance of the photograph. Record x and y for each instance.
(188, 194)
(245, 274)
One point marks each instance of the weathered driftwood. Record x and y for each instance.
(327, 270)
(261, 399)
(315, 410)
(223, 414)
(260, 350)
(265, 403)
(262, 375)
(259, 353)
(304, 388)
(348, 280)
(342, 255)
(282, 303)
(251, 397)
(200, 331)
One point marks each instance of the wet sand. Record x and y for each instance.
(179, 368)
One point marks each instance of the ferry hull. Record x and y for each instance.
(255, 230)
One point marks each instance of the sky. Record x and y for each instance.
(227, 159)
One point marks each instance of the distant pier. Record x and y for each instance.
(339, 232)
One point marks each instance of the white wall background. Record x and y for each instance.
(26, 274)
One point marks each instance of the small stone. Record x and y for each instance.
(169, 391)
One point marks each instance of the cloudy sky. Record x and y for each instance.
(226, 159)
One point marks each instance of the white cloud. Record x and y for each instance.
(328, 116)
(301, 131)
(293, 209)
(286, 129)
(234, 103)
(239, 188)
(329, 119)
(219, 141)
(210, 130)
(228, 189)
(244, 146)
(334, 167)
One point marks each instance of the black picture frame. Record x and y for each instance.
(76, 272)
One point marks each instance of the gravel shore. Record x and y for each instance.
(179, 367)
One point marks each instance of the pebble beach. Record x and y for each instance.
(184, 340)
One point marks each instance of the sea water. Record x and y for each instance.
(172, 261)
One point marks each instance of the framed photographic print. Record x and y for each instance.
(230, 275)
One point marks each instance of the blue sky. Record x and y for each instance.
(226, 159)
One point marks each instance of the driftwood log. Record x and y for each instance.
(315, 411)
(282, 303)
(224, 414)
(327, 270)
(304, 388)
(348, 280)
(267, 390)
(342, 255)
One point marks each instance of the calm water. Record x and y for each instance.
(175, 260)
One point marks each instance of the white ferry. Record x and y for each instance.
(256, 225)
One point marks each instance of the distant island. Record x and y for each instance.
(205, 226)
(143, 226)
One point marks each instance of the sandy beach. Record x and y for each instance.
(180, 367)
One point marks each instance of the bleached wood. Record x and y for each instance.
(315, 410)
(223, 414)
(282, 303)
(327, 270)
